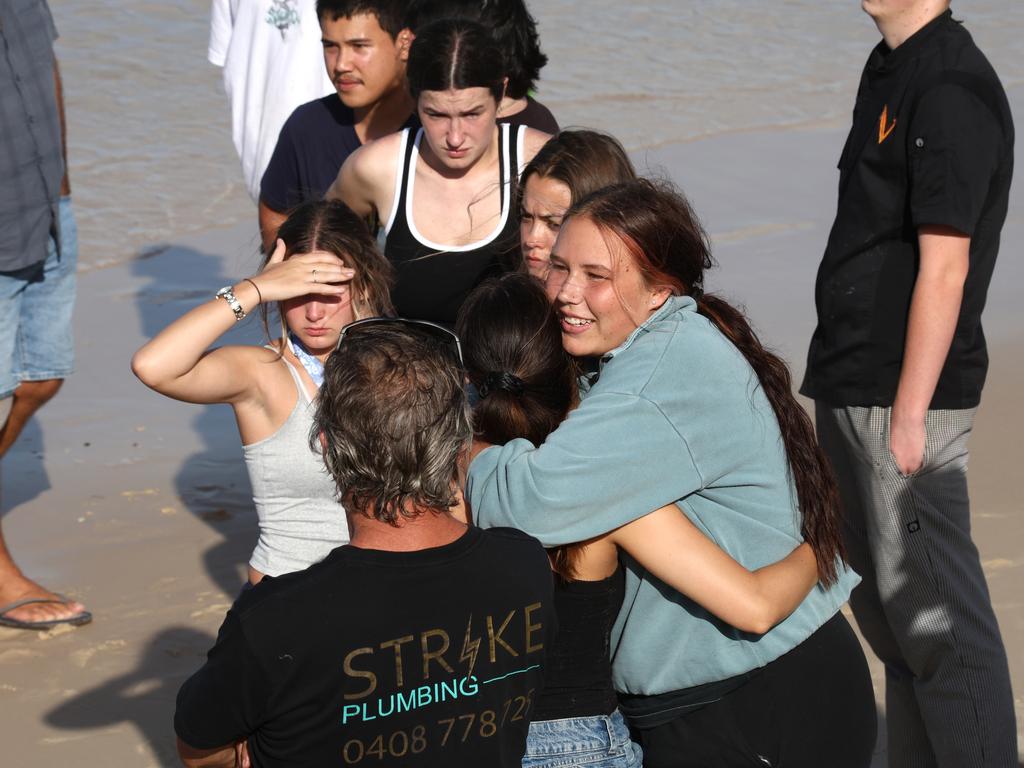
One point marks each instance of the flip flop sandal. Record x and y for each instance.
(78, 619)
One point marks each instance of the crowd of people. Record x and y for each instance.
(526, 493)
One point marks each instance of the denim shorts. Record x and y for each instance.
(601, 741)
(36, 343)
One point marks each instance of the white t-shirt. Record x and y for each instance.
(273, 62)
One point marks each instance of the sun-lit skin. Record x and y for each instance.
(362, 60)
(597, 291)
(459, 129)
(544, 203)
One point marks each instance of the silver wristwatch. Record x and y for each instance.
(229, 296)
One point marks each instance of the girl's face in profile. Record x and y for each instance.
(597, 291)
(545, 201)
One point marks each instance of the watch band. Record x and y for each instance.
(229, 296)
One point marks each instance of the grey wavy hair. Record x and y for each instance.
(394, 417)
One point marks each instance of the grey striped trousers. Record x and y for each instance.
(923, 604)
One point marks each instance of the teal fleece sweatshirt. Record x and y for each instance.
(676, 415)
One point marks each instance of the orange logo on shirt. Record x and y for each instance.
(883, 129)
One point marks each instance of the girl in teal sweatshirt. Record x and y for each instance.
(688, 408)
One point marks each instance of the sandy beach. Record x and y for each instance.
(140, 506)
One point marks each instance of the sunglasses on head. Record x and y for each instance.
(438, 333)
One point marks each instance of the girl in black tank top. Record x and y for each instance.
(454, 179)
(433, 279)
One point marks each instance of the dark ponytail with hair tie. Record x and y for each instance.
(501, 380)
(512, 342)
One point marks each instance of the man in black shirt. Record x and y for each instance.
(422, 642)
(896, 367)
(366, 46)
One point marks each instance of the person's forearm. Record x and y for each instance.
(573, 487)
(671, 548)
(934, 311)
(782, 586)
(220, 757)
(174, 351)
(65, 183)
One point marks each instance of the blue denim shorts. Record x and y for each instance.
(36, 343)
(601, 741)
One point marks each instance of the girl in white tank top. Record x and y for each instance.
(325, 272)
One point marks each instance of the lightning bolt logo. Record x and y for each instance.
(470, 647)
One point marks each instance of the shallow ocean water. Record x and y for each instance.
(149, 136)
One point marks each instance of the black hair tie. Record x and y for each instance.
(503, 380)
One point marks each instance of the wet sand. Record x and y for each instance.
(140, 507)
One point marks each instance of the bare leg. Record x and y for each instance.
(28, 398)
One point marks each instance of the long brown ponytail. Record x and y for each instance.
(816, 488)
(659, 229)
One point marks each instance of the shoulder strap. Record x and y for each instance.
(519, 156)
(398, 199)
(299, 385)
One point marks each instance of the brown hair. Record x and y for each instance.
(660, 231)
(513, 355)
(583, 160)
(330, 225)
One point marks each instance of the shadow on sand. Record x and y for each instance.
(144, 696)
(24, 462)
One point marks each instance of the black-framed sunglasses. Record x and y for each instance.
(438, 333)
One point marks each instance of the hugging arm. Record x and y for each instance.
(672, 548)
(590, 476)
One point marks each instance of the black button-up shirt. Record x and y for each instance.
(931, 144)
(31, 164)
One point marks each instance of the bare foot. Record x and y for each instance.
(15, 589)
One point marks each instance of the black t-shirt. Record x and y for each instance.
(373, 658)
(315, 141)
(534, 115)
(931, 144)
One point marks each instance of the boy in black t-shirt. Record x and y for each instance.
(422, 642)
(896, 368)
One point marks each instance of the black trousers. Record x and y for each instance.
(812, 707)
